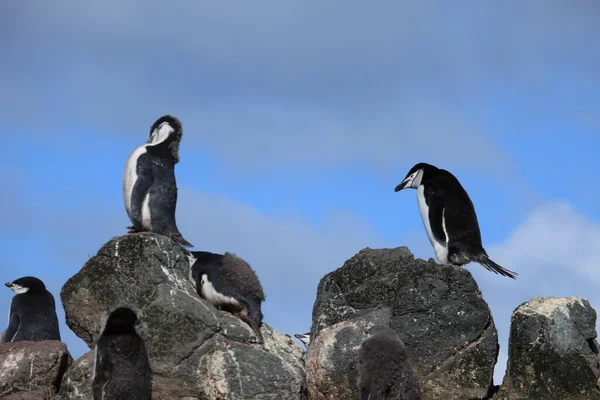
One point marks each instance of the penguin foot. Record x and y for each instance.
(132, 229)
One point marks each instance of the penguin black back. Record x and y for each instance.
(384, 370)
(229, 283)
(32, 314)
(449, 217)
(121, 366)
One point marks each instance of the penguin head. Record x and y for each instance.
(26, 284)
(122, 320)
(167, 131)
(303, 337)
(416, 176)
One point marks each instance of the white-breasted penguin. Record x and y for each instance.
(304, 338)
(32, 314)
(384, 368)
(449, 218)
(121, 366)
(149, 184)
(230, 284)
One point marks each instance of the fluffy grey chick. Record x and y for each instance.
(121, 366)
(384, 370)
(229, 283)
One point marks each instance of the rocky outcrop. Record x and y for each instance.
(438, 312)
(32, 370)
(195, 350)
(553, 352)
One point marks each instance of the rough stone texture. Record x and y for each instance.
(77, 382)
(195, 350)
(552, 352)
(437, 310)
(32, 370)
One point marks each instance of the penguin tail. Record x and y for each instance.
(180, 240)
(490, 265)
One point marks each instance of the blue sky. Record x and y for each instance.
(299, 120)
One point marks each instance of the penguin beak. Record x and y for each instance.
(7, 284)
(402, 185)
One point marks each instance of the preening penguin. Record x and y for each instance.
(32, 313)
(384, 370)
(229, 283)
(449, 217)
(121, 367)
(149, 185)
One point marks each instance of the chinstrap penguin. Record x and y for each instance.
(449, 218)
(32, 313)
(121, 366)
(304, 338)
(230, 284)
(384, 369)
(149, 184)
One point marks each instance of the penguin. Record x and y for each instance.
(449, 218)
(384, 368)
(230, 284)
(304, 338)
(121, 366)
(32, 313)
(149, 185)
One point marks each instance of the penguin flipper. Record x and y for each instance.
(490, 265)
(436, 205)
(13, 326)
(102, 373)
(140, 190)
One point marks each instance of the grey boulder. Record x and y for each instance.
(437, 310)
(552, 352)
(32, 370)
(195, 350)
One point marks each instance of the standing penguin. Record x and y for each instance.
(449, 218)
(229, 283)
(32, 314)
(121, 367)
(149, 185)
(384, 370)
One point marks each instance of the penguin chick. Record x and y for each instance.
(149, 184)
(304, 338)
(449, 218)
(32, 313)
(229, 283)
(121, 367)
(384, 370)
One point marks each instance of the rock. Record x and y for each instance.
(32, 370)
(195, 350)
(437, 310)
(35, 395)
(552, 351)
(77, 382)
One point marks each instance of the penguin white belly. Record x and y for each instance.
(215, 298)
(130, 176)
(441, 251)
(146, 218)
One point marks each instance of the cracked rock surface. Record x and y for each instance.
(32, 370)
(437, 310)
(195, 350)
(552, 352)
